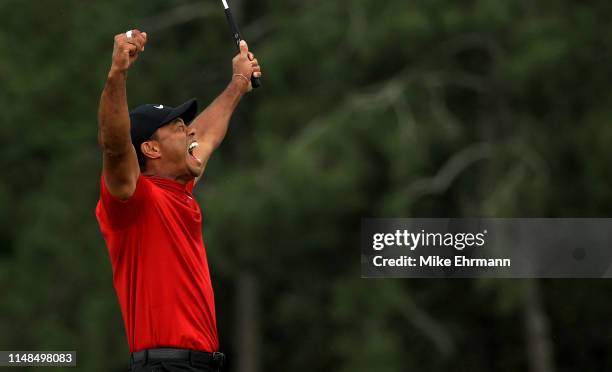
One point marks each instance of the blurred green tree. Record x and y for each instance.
(395, 108)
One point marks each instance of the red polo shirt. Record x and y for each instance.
(160, 270)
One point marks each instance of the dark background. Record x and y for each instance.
(395, 108)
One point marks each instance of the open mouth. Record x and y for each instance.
(191, 150)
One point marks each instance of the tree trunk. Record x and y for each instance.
(247, 330)
(537, 330)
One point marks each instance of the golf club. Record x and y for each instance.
(237, 37)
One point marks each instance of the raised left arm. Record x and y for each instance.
(211, 125)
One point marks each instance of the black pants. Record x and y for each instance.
(178, 366)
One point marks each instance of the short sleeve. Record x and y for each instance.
(120, 214)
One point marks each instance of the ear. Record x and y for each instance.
(151, 149)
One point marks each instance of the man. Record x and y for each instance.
(152, 158)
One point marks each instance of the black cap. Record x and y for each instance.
(146, 119)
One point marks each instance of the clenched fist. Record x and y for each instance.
(245, 65)
(128, 46)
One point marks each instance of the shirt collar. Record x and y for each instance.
(169, 184)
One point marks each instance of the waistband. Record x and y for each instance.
(214, 360)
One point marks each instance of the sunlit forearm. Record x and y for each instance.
(113, 117)
(211, 125)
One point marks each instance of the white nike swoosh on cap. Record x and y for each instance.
(159, 107)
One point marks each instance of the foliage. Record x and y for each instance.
(396, 108)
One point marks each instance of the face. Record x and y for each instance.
(177, 144)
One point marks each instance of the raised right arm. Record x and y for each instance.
(119, 161)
